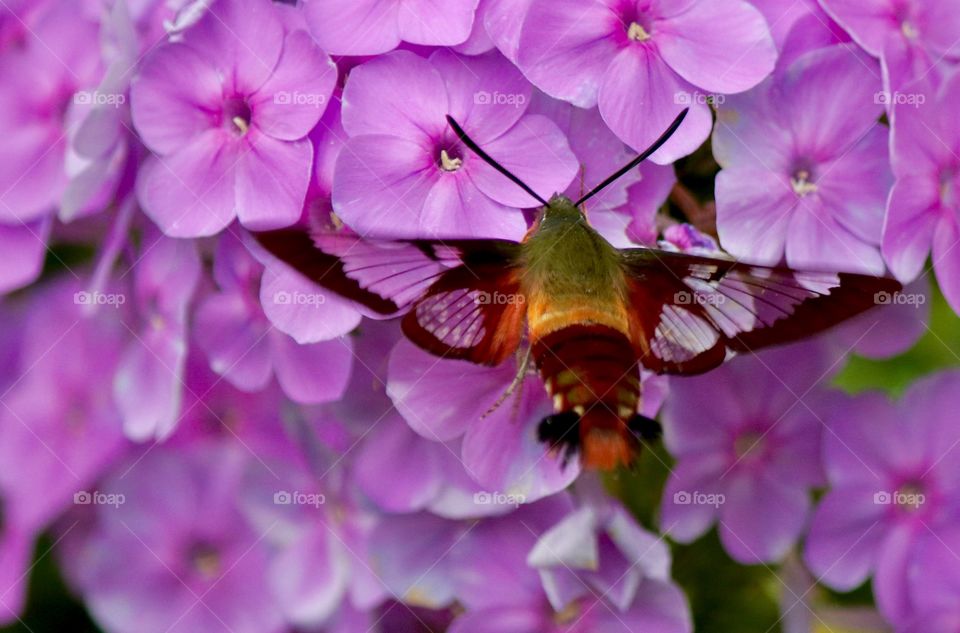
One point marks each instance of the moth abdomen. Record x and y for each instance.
(592, 375)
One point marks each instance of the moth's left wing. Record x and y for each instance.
(461, 296)
(691, 312)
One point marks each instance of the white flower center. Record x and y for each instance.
(447, 163)
(637, 33)
(801, 183)
(909, 30)
(241, 124)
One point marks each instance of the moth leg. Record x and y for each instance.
(523, 362)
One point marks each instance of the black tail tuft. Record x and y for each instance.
(648, 429)
(561, 433)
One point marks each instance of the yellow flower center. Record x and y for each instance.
(748, 445)
(569, 613)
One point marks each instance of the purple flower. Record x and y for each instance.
(501, 593)
(99, 140)
(227, 111)
(503, 20)
(47, 60)
(885, 500)
(890, 329)
(24, 246)
(243, 347)
(805, 166)
(811, 29)
(935, 584)
(402, 471)
(747, 441)
(443, 400)
(643, 61)
(148, 386)
(783, 15)
(370, 27)
(174, 552)
(318, 536)
(404, 172)
(42, 77)
(309, 322)
(912, 37)
(59, 429)
(923, 206)
(623, 211)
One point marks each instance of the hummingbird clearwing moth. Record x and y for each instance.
(592, 314)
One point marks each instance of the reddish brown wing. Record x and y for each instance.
(463, 296)
(692, 312)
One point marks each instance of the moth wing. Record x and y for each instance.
(462, 296)
(691, 312)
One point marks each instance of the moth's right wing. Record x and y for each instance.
(448, 288)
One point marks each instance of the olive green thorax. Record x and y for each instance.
(564, 255)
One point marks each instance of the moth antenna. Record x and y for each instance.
(466, 140)
(657, 144)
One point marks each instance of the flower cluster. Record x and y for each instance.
(205, 441)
